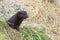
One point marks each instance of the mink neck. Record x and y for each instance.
(19, 21)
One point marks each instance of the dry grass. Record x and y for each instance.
(43, 12)
(26, 33)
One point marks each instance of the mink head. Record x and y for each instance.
(22, 15)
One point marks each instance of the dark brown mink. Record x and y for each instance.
(15, 21)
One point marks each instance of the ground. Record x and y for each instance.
(40, 13)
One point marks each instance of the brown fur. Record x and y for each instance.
(15, 21)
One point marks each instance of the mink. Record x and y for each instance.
(15, 21)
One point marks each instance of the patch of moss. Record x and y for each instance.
(34, 34)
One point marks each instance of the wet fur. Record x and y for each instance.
(15, 21)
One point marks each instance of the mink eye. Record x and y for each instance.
(20, 15)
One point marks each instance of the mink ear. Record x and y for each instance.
(19, 15)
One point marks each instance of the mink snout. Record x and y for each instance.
(15, 21)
